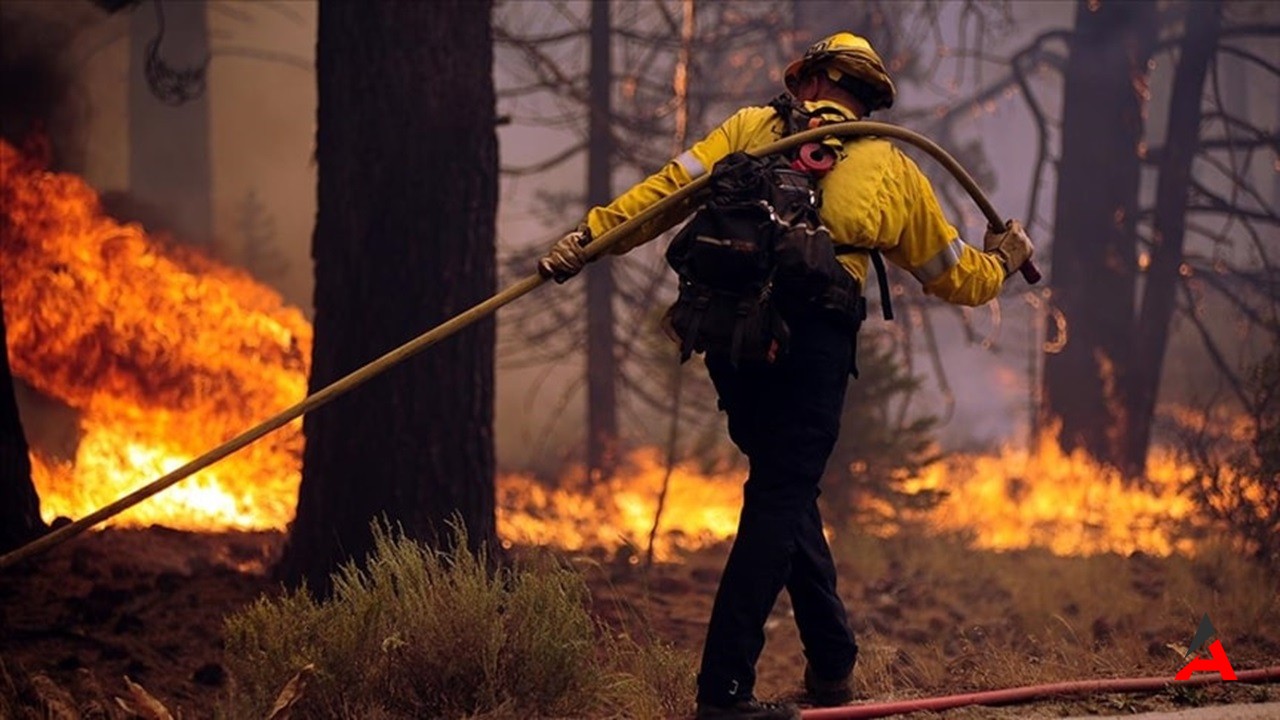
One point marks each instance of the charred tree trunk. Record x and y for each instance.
(408, 169)
(602, 364)
(1095, 250)
(1182, 142)
(19, 506)
(170, 171)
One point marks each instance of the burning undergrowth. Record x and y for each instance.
(579, 514)
(163, 353)
(1065, 502)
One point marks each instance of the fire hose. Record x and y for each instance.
(648, 224)
(1014, 696)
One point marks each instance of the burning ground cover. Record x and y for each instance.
(1065, 502)
(161, 352)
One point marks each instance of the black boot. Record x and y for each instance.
(827, 693)
(750, 709)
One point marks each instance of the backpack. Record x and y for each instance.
(757, 252)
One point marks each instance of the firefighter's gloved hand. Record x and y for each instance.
(566, 258)
(1011, 245)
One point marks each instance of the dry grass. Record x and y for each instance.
(420, 633)
(941, 617)
(9, 693)
(934, 616)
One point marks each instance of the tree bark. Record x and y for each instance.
(19, 507)
(1094, 254)
(170, 170)
(404, 239)
(602, 364)
(1182, 142)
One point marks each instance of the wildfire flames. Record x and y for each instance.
(165, 353)
(699, 508)
(1065, 503)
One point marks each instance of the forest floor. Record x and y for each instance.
(932, 618)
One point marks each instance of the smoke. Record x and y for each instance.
(39, 93)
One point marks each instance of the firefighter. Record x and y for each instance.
(785, 416)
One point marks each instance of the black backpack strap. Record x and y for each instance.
(687, 343)
(796, 116)
(735, 344)
(787, 109)
(882, 277)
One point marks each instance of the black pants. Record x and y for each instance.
(785, 418)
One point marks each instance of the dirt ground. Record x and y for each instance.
(149, 604)
(144, 604)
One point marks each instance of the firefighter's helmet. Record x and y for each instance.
(846, 55)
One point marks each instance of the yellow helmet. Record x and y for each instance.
(846, 54)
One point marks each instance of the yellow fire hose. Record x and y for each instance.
(648, 224)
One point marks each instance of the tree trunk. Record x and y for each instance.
(602, 365)
(1181, 143)
(19, 506)
(170, 171)
(404, 239)
(1094, 250)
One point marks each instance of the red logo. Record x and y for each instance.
(1217, 660)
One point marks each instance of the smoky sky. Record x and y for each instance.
(41, 91)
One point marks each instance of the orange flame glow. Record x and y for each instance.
(1064, 502)
(699, 509)
(163, 352)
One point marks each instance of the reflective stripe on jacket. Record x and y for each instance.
(876, 197)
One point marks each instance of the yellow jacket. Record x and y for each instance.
(876, 197)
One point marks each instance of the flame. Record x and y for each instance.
(1006, 500)
(699, 509)
(165, 353)
(162, 351)
(1067, 503)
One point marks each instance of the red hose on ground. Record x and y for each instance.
(1013, 696)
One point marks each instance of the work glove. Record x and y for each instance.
(566, 258)
(1011, 245)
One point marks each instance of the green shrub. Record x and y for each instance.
(417, 632)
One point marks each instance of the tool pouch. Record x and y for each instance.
(749, 329)
(725, 260)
